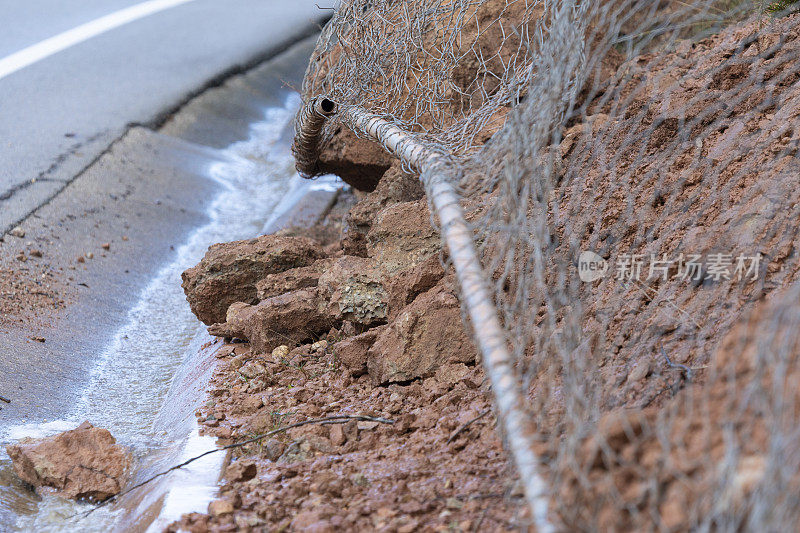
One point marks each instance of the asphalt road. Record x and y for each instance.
(60, 113)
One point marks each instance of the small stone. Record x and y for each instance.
(253, 369)
(365, 426)
(89, 255)
(337, 436)
(280, 352)
(220, 507)
(124, 237)
(38, 339)
(241, 471)
(639, 371)
(454, 503)
(22, 257)
(359, 480)
(273, 449)
(17, 232)
(251, 404)
(106, 246)
(35, 253)
(238, 361)
(319, 346)
(81, 259)
(225, 351)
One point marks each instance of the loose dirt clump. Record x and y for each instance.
(85, 463)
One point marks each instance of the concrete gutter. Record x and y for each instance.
(149, 188)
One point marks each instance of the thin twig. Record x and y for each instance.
(236, 445)
(466, 425)
(4, 399)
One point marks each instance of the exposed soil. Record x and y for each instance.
(395, 347)
(426, 470)
(434, 463)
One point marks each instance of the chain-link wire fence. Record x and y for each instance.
(638, 215)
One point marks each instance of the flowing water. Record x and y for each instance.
(150, 379)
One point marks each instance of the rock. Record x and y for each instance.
(354, 243)
(485, 48)
(640, 370)
(452, 373)
(280, 352)
(354, 289)
(412, 282)
(253, 369)
(311, 522)
(427, 334)
(229, 272)
(319, 346)
(337, 436)
(352, 352)
(291, 280)
(293, 318)
(359, 162)
(402, 236)
(241, 470)
(84, 463)
(273, 449)
(395, 186)
(17, 232)
(250, 404)
(220, 507)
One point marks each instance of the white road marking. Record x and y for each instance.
(53, 45)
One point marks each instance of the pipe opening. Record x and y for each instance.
(327, 105)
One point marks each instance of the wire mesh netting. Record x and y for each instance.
(631, 172)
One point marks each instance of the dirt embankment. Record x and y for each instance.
(359, 318)
(367, 325)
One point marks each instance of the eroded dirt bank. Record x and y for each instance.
(358, 317)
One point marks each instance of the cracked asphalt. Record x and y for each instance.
(61, 113)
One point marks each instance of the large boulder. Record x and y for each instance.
(395, 186)
(291, 280)
(290, 318)
(229, 272)
(85, 463)
(329, 292)
(353, 352)
(402, 236)
(359, 162)
(427, 334)
(354, 289)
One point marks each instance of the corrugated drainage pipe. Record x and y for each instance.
(434, 169)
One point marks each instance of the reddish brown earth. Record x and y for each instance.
(381, 336)
(395, 347)
(85, 463)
